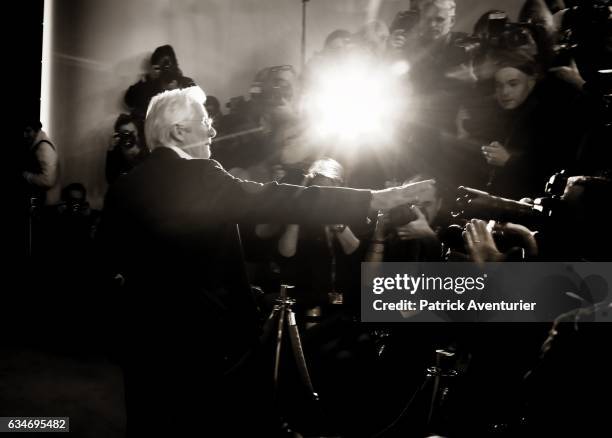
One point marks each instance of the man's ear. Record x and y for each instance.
(177, 133)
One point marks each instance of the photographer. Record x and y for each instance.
(75, 223)
(402, 34)
(585, 46)
(41, 168)
(165, 75)
(127, 148)
(318, 260)
(530, 135)
(435, 63)
(567, 224)
(255, 131)
(411, 232)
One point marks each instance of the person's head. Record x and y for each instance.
(537, 13)
(164, 67)
(326, 172)
(586, 220)
(213, 106)
(337, 41)
(514, 82)
(437, 18)
(128, 129)
(31, 128)
(430, 208)
(178, 118)
(74, 192)
(373, 36)
(164, 57)
(74, 197)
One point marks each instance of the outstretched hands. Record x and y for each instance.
(414, 193)
(479, 242)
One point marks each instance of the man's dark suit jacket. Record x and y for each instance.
(169, 227)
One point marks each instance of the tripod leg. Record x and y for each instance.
(279, 343)
(298, 354)
(268, 326)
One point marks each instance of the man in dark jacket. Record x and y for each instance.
(165, 74)
(169, 230)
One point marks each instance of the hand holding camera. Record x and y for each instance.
(496, 154)
(123, 139)
(416, 229)
(155, 71)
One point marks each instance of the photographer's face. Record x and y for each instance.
(164, 63)
(436, 22)
(131, 149)
(338, 44)
(512, 87)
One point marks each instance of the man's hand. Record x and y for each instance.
(415, 193)
(115, 140)
(496, 154)
(397, 39)
(571, 75)
(417, 229)
(479, 242)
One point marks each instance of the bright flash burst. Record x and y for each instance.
(355, 102)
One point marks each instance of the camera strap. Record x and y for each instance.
(329, 238)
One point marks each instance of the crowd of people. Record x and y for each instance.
(204, 206)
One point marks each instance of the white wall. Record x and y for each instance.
(99, 48)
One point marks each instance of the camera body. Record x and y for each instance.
(496, 33)
(400, 215)
(585, 36)
(472, 203)
(168, 72)
(273, 85)
(125, 139)
(77, 207)
(405, 21)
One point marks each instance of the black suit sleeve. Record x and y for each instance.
(234, 200)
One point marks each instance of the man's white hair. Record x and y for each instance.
(166, 110)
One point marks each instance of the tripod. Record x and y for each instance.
(283, 315)
(439, 373)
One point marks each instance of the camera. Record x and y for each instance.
(405, 21)
(496, 32)
(272, 85)
(167, 65)
(76, 206)
(472, 203)
(585, 34)
(400, 215)
(237, 105)
(585, 21)
(125, 139)
(168, 72)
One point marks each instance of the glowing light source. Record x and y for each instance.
(354, 102)
(46, 72)
(400, 68)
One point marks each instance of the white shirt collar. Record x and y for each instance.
(181, 153)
